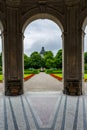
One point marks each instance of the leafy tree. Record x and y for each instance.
(26, 61)
(49, 63)
(48, 55)
(0, 59)
(49, 59)
(42, 62)
(35, 58)
(58, 59)
(85, 57)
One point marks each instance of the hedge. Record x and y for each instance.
(31, 71)
(48, 71)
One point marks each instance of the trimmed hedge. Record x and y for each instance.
(31, 71)
(85, 71)
(48, 71)
(0, 72)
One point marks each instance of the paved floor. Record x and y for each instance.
(43, 82)
(43, 110)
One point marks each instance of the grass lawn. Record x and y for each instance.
(85, 76)
(25, 75)
(1, 77)
(60, 75)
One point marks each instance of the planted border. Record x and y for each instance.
(57, 77)
(28, 77)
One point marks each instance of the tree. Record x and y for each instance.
(48, 55)
(42, 62)
(0, 59)
(26, 61)
(35, 58)
(49, 63)
(85, 57)
(49, 59)
(58, 59)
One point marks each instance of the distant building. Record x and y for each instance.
(42, 51)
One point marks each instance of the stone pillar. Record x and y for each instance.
(13, 54)
(72, 53)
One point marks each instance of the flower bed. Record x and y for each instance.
(60, 78)
(28, 77)
(85, 80)
(57, 77)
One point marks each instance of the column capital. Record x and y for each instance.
(63, 34)
(82, 32)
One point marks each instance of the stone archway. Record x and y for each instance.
(30, 85)
(49, 17)
(18, 15)
(84, 24)
(2, 48)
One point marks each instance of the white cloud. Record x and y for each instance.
(42, 33)
(85, 40)
(45, 33)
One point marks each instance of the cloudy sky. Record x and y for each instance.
(43, 33)
(40, 33)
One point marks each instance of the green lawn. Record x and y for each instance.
(85, 76)
(25, 75)
(60, 75)
(1, 77)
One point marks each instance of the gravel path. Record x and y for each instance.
(43, 82)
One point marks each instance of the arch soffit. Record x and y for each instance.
(42, 16)
(83, 19)
(2, 22)
(51, 14)
(84, 24)
(1, 26)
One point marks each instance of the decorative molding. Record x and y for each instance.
(13, 3)
(71, 2)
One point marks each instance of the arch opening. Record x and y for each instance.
(42, 16)
(38, 46)
(1, 59)
(84, 54)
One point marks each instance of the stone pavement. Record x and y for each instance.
(43, 82)
(43, 111)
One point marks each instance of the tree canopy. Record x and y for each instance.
(48, 60)
(85, 57)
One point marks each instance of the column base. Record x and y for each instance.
(14, 88)
(73, 88)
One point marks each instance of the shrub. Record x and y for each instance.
(0, 72)
(31, 71)
(0, 68)
(48, 71)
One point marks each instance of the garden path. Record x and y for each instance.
(43, 82)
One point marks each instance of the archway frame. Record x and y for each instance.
(50, 17)
(83, 26)
(2, 42)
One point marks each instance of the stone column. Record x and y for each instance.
(72, 53)
(13, 54)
